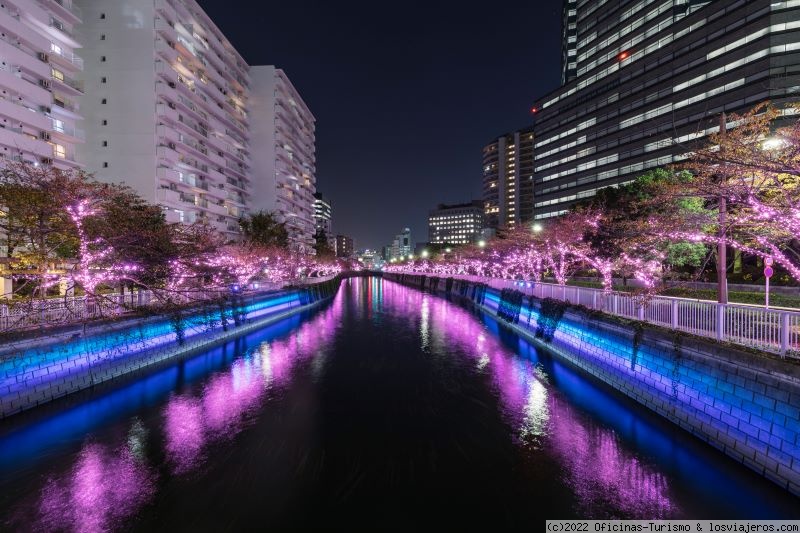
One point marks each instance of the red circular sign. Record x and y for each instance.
(768, 272)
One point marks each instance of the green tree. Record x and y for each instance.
(263, 228)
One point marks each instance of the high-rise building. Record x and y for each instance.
(508, 179)
(39, 75)
(284, 171)
(569, 41)
(166, 108)
(455, 224)
(651, 80)
(344, 246)
(322, 214)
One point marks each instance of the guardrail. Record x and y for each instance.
(771, 330)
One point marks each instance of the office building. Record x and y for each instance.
(455, 224)
(40, 116)
(651, 81)
(344, 246)
(508, 179)
(322, 215)
(166, 108)
(284, 165)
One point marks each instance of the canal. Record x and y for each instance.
(387, 408)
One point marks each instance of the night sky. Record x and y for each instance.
(405, 93)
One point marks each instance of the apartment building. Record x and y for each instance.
(284, 164)
(166, 108)
(455, 224)
(40, 116)
(508, 179)
(652, 79)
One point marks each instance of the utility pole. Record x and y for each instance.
(722, 248)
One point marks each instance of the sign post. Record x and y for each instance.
(767, 274)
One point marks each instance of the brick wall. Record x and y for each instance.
(48, 370)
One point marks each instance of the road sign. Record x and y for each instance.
(768, 261)
(768, 272)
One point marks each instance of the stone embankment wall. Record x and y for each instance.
(49, 368)
(745, 403)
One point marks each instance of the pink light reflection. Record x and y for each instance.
(102, 488)
(229, 399)
(600, 470)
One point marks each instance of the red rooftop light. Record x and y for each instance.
(534, 109)
(623, 55)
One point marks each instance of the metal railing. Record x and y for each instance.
(772, 330)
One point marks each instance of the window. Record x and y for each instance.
(105, 144)
(57, 74)
(105, 122)
(103, 37)
(102, 16)
(105, 164)
(104, 101)
(59, 151)
(55, 48)
(102, 59)
(103, 80)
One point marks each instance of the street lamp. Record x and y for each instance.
(773, 143)
(481, 243)
(537, 227)
(448, 250)
(424, 253)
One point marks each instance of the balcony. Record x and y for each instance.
(67, 10)
(68, 85)
(66, 130)
(67, 59)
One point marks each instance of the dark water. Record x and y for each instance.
(388, 409)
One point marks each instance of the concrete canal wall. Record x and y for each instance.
(745, 403)
(49, 368)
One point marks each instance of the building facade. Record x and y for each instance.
(401, 245)
(40, 115)
(284, 175)
(651, 81)
(508, 179)
(344, 246)
(455, 224)
(166, 109)
(322, 215)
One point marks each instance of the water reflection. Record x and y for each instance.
(103, 487)
(604, 476)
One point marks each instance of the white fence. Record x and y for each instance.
(771, 330)
(31, 314)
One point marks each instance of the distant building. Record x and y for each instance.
(508, 179)
(322, 215)
(344, 246)
(455, 224)
(401, 245)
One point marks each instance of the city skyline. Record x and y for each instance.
(433, 83)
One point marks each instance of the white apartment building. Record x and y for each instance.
(39, 112)
(166, 108)
(284, 172)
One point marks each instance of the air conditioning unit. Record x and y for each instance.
(47, 161)
(44, 83)
(172, 105)
(45, 109)
(45, 136)
(44, 57)
(172, 84)
(171, 145)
